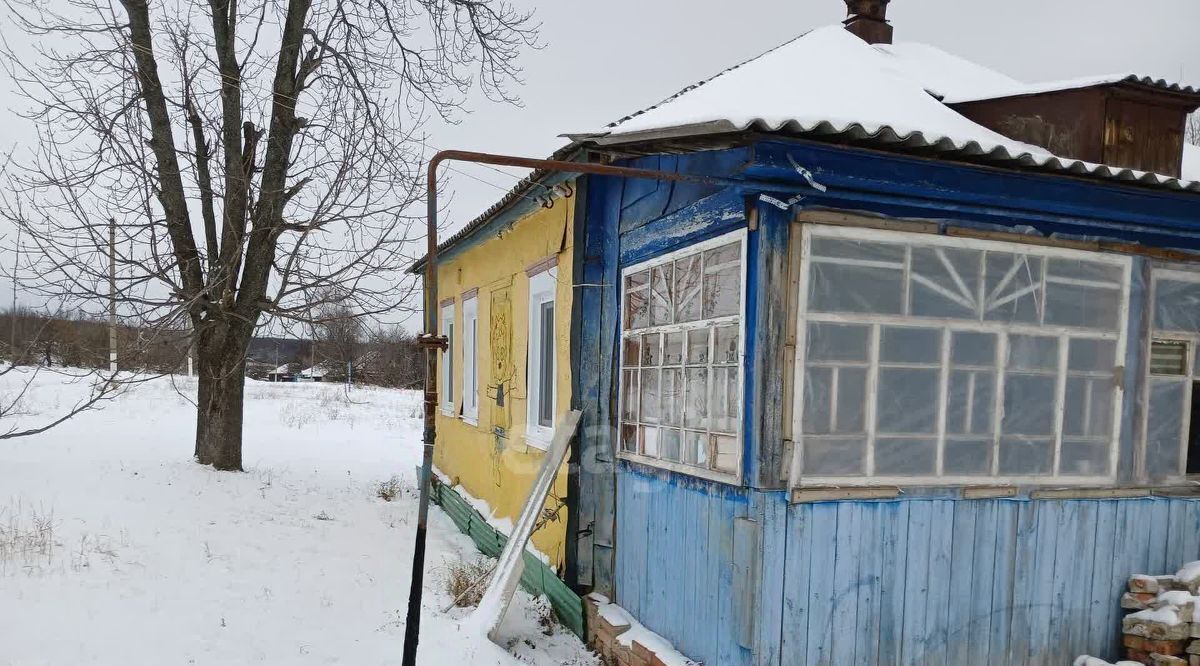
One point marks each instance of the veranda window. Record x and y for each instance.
(447, 388)
(1172, 408)
(681, 359)
(928, 359)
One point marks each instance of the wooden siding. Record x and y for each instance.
(920, 582)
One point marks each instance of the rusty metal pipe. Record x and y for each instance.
(432, 343)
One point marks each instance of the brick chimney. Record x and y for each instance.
(868, 20)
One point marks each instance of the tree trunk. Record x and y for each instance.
(221, 361)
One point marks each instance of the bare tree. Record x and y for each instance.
(337, 334)
(1191, 131)
(252, 156)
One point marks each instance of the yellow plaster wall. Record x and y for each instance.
(500, 468)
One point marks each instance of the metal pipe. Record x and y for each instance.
(433, 343)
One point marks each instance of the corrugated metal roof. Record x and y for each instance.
(518, 192)
(828, 84)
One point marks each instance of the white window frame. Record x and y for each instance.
(711, 474)
(1002, 329)
(1192, 338)
(470, 365)
(543, 289)
(447, 373)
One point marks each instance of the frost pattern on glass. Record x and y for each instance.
(928, 358)
(681, 379)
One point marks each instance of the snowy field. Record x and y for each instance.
(115, 548)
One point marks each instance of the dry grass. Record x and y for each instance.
(389, 490)
(25, 540)
(467, 581)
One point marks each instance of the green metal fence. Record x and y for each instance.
(537, 578)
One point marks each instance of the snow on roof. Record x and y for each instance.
(829, 82)
(1191, 162)
(282, 370)
(1064, 84)
(944, 74)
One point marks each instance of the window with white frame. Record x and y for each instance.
(929, 359)
(447, 324)
(681, 359)
(540, 379)
(1172, 394)
(470, 383)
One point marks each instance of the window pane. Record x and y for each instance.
(851, 414)
(1164, 430)
(661, 283)
(970, 402)
(1026, 456)
(695, 448)
(971, 348)
(724, 407)
(945, 282)
(651, 354)
(1176, 305)
(967, 457)
(1012, 287)
(1028, 405)
(649, 403)
(697, 351)
(629, 438)
(838, 342)
(687, 289)
(1084, 458)
(1032, 352)
(695, 414)
(670, 443)
(633, 352)
(650, 441)
(727, 453)
(910, 345)
(546, 380)
(1090, 355)
(1085, 307)
(905, 457)
(673, 348)
(843, 288)
(672, 395)
(637, 312)
(818, 401)
(629, 395)
(722, 281)
(1088, 407)
(907, 401)
(726, 346)
(834, 457)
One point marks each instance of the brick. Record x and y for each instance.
(1166, 660)
(1138, 655)
(1195, 630)
(1193, 648)
(1147, 584)
(1194, 660)
(1155, 630)
(1134, 642)
(1137, 600)
(1165, 647)
(642, 651)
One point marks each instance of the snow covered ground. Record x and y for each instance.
(120, 550)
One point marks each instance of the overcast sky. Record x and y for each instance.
(602, 60)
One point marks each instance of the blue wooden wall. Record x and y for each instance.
(926, 580)
(913, 582)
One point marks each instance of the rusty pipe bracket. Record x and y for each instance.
(435, 342)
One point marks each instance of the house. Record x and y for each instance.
(505, 289)
(917, 388)
(284, 373)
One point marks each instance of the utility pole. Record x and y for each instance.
(112, 295)
(12, 314)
